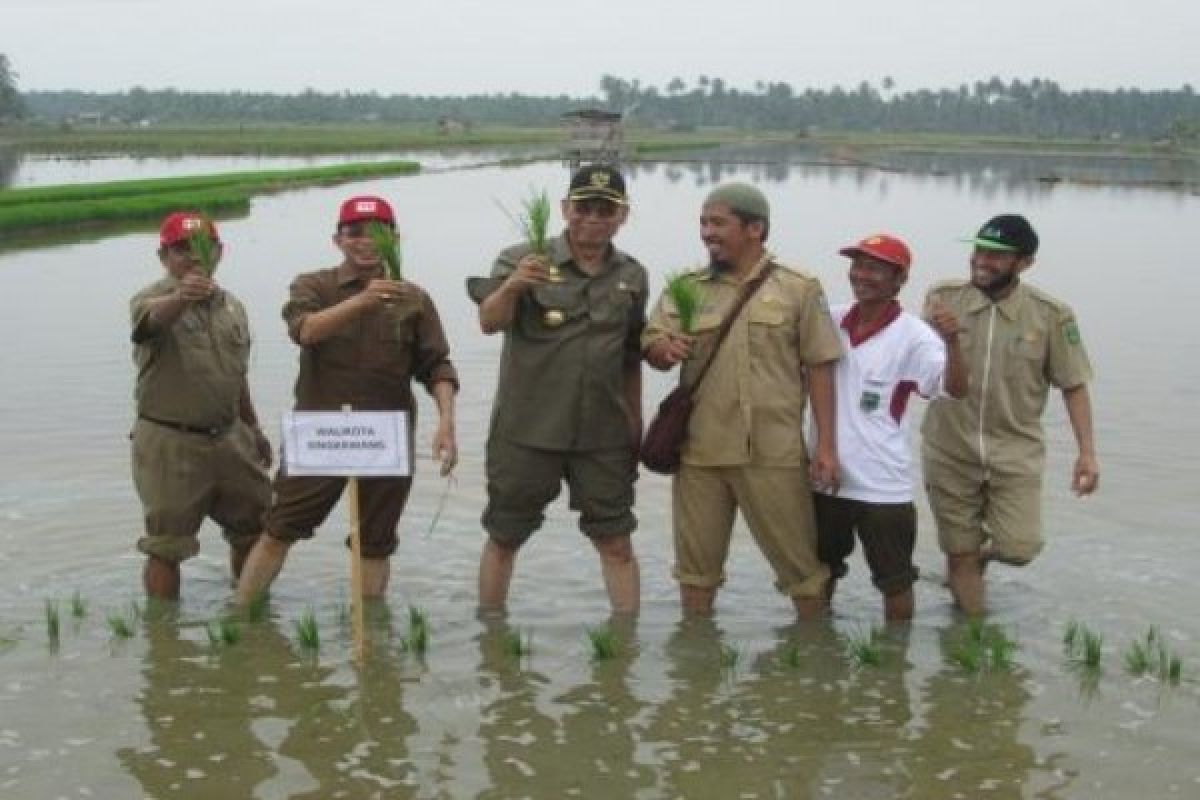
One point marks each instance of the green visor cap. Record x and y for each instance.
(988, 244)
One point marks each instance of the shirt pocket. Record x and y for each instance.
(1026, 353)
(611, 308)
(553, 310)
(767, 320)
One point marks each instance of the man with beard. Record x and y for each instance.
(363, 339)
(984, 455)
(745, 448)
(568, 404)
(890, 355)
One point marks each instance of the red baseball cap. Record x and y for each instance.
(366, 207)
(883, 247)
(180, 225)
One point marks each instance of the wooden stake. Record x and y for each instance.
(356, 573)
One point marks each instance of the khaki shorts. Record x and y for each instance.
(776, 503)
(522, 481)
(303, 502)
(181, 478)
(1007, 510)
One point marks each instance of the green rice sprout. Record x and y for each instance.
(535, 221)
(204, 250)
(257, 608)
(78, 605)
(52, 620)
(307, 631)
(792, 656)
(687, 297)
(383, 236)
(731, 656)
(121, 625)
(1152, 655)
(451, 482)
(516, 646)
(1083, 646)
(605, 644)
(984, 646)
(1072, 636)
(417, 640)
(223, 631)
(865, 648)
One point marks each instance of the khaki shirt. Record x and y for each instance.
(370, 362)
(749, 409)
(1015, 350)
(193, 372)
(561, 383)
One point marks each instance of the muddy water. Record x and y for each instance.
(749, 705)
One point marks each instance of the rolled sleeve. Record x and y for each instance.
(431, 363)
(304, 298)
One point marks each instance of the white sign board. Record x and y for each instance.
(346, 443)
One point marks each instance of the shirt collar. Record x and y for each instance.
(850, 321)
(346, 275)
(1007, 305)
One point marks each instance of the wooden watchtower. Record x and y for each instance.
(593, 137)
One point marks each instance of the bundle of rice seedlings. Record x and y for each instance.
(417, 640)
(223, 631)
(516, 646)
(120, 625)
(307, 631)
(52, 620)
(204, 248)
(865, 647)
(687, 296)
(604, 643)
(535, 221)
(388, 244)
(78, 605)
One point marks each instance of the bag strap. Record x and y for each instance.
(726, 324)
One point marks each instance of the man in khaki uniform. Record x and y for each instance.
(197, 449)
(984, 455)
(745, 447)
(568, 401)
(363, 339)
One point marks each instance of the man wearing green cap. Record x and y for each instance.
(569, 395)
(984, 455)
(745, 448)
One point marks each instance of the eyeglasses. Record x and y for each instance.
(600, 208)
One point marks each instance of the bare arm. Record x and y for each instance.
(1085, 476)
(445, 442)
(822, 397)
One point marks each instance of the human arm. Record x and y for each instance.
(249, 416)
(498, 309)
(824, 471)
(445, 441)
(160, 313)
(318, 325)
(1085, 476)
(945, 325)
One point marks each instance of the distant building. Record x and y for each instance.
(594, 137)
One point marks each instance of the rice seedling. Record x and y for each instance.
(121, 625)
(731, 656)
(307, 631)
(687, 297)
(516, 646)
(535, 221)
(984, 646)
(78, 605)
(865, 648)
(223, 631)
(204, 250)
(52, 620)
(1072, 635)
(605, 644)
(417, 640)
(792, 656)
(384, 238)
(1152, 655)
(258, 607)
(1083, 646)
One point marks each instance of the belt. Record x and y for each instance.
(211, 432)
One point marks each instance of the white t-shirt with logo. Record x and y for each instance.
(875, 382)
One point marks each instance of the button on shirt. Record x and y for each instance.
(191, 372)
(1016, 349)
(562, 372)
(370, 362)
(749, 408)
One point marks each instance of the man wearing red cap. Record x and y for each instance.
(984, 456)
(197, 449)
(889, 355)
(363, 340)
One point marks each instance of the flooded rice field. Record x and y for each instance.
(136, 701)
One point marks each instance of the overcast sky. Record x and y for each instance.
(545, 47)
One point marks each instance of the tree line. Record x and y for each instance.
(1037, 107)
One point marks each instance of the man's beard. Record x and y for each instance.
(719, 265)
(999, 283)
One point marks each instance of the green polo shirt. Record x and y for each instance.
(562, 371)
(193, 371)
(1015, 349)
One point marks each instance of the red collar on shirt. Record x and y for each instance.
(850, 322)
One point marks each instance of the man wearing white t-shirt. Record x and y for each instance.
(890, 355)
